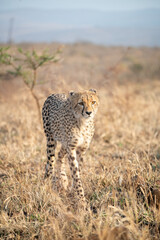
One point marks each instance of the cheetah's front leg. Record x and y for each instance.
(61, 168)
(76, 175)
(80, 155)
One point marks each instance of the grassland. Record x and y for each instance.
(121, 174)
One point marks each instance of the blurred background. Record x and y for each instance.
(116, 22)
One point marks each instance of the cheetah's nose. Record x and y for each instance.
(88, 113)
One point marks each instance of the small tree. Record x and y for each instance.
(27, 66)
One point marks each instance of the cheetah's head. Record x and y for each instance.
(84, 103)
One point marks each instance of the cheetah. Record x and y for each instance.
(70, 121)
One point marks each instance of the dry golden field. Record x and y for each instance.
(121, 174)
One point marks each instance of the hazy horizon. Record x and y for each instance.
(107, 23)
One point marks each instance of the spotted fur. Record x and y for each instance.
(70, 121)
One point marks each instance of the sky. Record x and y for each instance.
(82, 4)
(113, 22)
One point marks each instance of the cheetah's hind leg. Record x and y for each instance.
(51, 146)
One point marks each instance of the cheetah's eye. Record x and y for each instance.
(81, 103)
(93, 102)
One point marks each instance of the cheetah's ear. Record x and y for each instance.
(71, 93)
(92, 90)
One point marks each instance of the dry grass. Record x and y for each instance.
(121, 175)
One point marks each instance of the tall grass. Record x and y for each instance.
(121, 174)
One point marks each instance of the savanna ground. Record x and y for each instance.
(121, 174)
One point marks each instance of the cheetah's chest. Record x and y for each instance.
(85, 134)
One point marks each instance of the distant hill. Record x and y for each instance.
(135, 28)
